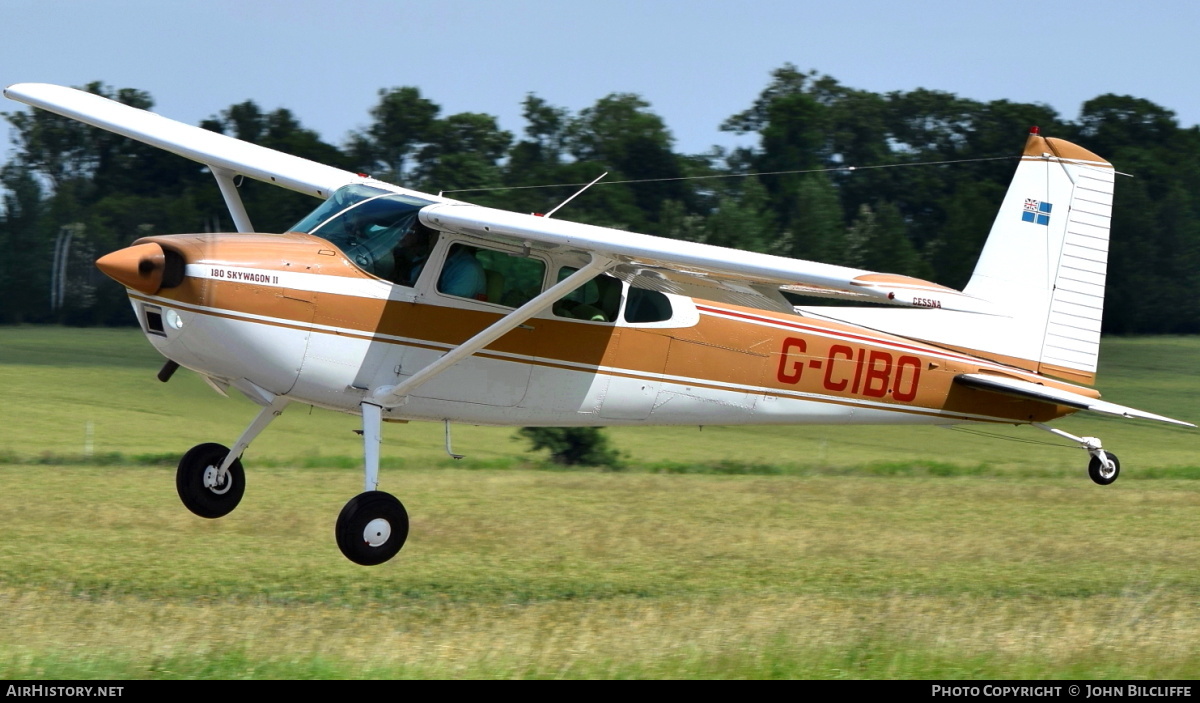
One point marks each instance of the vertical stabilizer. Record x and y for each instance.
(1045, 259)
(1042, 269)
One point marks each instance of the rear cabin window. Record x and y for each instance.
(598, 300)
(647, 306)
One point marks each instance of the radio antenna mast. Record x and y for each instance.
(559, 207)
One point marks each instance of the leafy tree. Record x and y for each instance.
(545, 132)
(23, 287)
(884, 244)
(621, 134)
(970, 211)
(402, 122)
(95, 162)
(1110, 123)
(858, 238)
(605, 204)
(462, 151)
(573, 446)
(675, 222)
(743, 220)
(923, 220)
(818, 231)
(1154, 236)
(537, 160)
(791, 123)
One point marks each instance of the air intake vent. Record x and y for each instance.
(173, 268)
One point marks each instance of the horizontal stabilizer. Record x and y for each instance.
(1035, 391)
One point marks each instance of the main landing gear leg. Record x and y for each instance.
(374, 525)
(210, 479)
(1104, 467)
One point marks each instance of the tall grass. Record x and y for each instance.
(536, 574)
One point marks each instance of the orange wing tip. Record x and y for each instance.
(917, 293)
(897, 281)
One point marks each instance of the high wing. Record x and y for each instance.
(1034, 391)
(195, 143)
(227, 158)
(701, 270)
(667, 265)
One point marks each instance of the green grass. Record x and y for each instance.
(723, 553)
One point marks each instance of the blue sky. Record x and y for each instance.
(696, 62)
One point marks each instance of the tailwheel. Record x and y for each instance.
(372, 528)
(1102, 474)
(202, 487)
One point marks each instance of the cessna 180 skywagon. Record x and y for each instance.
(400, 305)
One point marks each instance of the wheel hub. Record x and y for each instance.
(213, 482)
(1107, 468)
(377, 532)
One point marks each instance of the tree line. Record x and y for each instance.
(930, 171)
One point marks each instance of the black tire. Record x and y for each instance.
(372, 528)
(1094, 470)
(206, 502)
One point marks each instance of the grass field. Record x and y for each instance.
(724, 553)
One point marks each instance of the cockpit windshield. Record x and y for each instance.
(367, 224)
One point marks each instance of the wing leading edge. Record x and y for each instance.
(210, 148)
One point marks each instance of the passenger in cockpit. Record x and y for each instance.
(463, 275)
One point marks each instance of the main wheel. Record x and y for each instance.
(197, 484)
(372, 528)
(1102, 475)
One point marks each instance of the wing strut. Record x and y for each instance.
(233, 200)
(392, 396)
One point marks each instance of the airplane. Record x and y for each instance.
(398, 305)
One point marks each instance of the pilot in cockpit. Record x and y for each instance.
(411, 253)
(369, 235)
(381, 233)
(462, 274)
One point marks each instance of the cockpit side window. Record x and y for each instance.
(490, 275)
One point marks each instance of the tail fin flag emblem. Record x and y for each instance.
(1036, 211)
